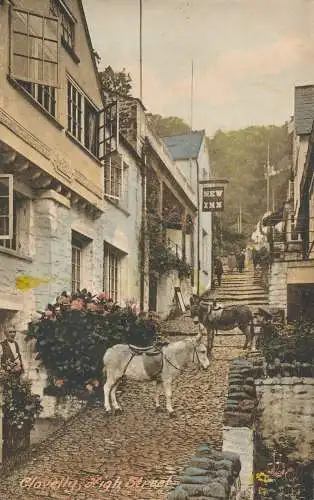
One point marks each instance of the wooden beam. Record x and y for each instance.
(75, 199)
(8, 158)
(21, 164)
(36, 175)
(44, 182)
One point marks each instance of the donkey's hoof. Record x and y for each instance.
(118, 411)
(158, 409)
(172, 414)
(108, 412)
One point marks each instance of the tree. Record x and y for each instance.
(240, 156)
(116, 82)
(171, 125)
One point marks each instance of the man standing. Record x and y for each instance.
(10, 355)
(218, 270)
(241, 262)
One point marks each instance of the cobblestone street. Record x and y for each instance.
(138, 443)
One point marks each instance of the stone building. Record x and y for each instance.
(190, 154)
(74, 185)
(292, 273)
(69, 219)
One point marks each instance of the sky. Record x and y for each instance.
(247, 56)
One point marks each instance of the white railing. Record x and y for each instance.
(163, 153)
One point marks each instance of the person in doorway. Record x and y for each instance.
(10, 355)
(218, 270)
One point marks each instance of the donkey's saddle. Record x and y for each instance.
(151, 350)
(152, 358)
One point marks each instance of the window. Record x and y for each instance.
(112, 271)
(43, 94)
(14, 218)
(113, 176)
(6, 208)
(57, 9)
(83, 119)
(76, 264)
(34, 48)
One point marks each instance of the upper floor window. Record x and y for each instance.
(58, 9)
(46, 96)
(83, 119)
(114, 176)
(34, 56)
(34, 48)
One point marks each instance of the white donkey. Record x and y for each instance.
(147, 364)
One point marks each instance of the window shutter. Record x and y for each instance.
(6, 206)
(35, 48)
(108, 130)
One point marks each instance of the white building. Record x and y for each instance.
(190, 153)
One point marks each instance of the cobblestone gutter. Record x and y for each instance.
(211, 474)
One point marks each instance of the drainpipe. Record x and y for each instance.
(198, 227)
(143, 234)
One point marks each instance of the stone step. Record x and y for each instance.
(241, 290)
(242, 301)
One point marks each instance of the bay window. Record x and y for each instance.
(83, 120)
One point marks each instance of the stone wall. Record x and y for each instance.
(211, 474)
(278, 285)
(241, 401)
(286, 409)
(166, 293)
(239, 414)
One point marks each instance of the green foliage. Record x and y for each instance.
(171, 125)
(240, 156)
(117, 82)
(162, 259)
(295, 342)
(21, 406)
(72, 346)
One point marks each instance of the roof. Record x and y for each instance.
(304, 109)
(184, 146)
(90, 45)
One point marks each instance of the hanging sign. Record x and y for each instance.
(213, 199)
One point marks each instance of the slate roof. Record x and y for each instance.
(184, 146)
(304, 109)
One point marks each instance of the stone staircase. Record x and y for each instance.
(241, 288)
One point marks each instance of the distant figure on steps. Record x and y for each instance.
(241, 262)
(232, 263)
(218, 270)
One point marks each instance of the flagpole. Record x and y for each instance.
(141, 51)
(268, 181)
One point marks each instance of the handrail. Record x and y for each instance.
(164, 154)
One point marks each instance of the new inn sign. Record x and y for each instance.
(213, 199)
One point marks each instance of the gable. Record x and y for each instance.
(85, 72)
